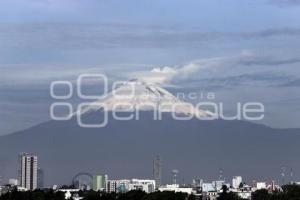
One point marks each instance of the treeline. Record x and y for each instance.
(137, 195)
(92, 195)
(290, 192)
(47, 194)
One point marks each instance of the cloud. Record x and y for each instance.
(291, 83)
(60, 37)
(271, 32)
(285, 2)
(225, 71)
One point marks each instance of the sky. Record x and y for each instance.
(242, 50)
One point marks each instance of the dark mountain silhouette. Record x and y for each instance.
(125, 149)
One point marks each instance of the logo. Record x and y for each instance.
(131, 102)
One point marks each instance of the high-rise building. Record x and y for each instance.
(100, 182)
(28, 171)
(40, 178)
(236, 181)
(157, 171)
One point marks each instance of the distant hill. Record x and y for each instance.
(126, 148)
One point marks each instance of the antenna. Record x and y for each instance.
(283, 175)
(175, 172)
(291, 176)
(221, 174)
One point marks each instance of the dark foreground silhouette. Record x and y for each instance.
(290, 192)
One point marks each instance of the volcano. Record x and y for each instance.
(126, 148)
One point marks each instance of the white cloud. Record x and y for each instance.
(244, 64)
(201, 67)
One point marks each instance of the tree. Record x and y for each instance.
(225, 195)
(33, 195)
(132, 195)
(166, 195)
(262, 194)
(291, 192)
(241, 185)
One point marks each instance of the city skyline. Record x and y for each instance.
(31, 176)
(28, 181)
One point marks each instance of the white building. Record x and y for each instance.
(147, 186)
(176, 188)
(208, 187)
(261, 185)
(245, 194)
(236, 181)
(13, 182)
(125, 185)
(28, 171)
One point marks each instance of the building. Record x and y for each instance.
(118, 186)
(218, 184)
(176, 188)
(244, 194)
(147, 186)
(28, 171)
(100, 182)
(13, 182)
(40, 178)
(209, 195)
(157, 171)
(208, 187)
(197, 184)
(125, 185)
(261, 185)
(9, 188)
(111, 186)
(236, 181)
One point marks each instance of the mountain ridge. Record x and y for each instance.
(198, 148)
(126, 148)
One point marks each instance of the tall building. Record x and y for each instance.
(236, 181)
(40, 178)
(157, 171)
(100, 182)
(28, 171)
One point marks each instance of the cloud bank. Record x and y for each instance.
(227, 71)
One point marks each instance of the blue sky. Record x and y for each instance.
(256, 45)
